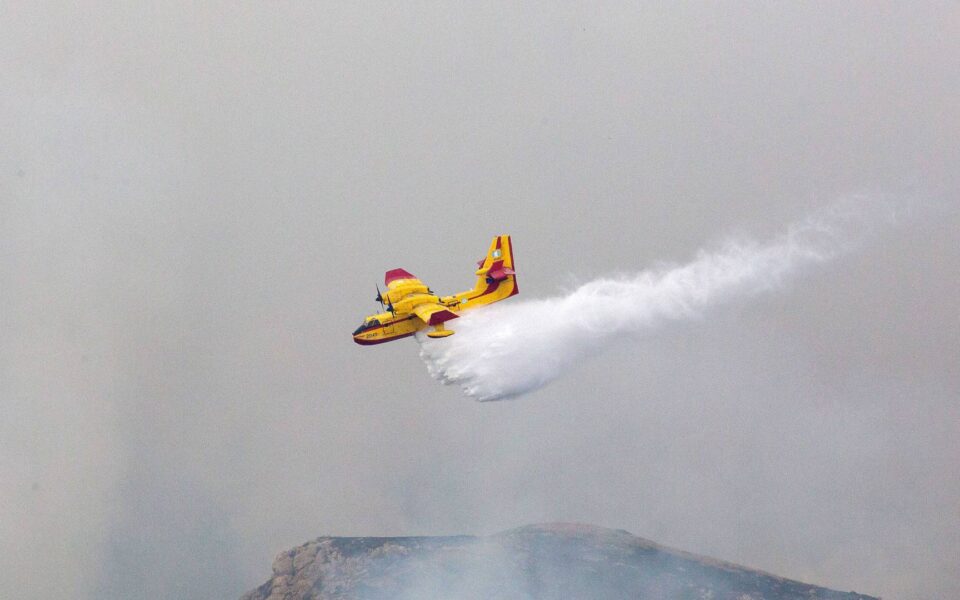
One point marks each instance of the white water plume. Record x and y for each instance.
(514, 347)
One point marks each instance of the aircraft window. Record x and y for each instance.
(367, 325)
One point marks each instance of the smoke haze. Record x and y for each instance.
(196, 200)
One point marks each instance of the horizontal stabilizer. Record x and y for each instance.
(501, 274)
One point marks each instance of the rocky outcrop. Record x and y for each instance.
(539, 561)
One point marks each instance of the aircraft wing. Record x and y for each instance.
(432, 313)
(397, 277)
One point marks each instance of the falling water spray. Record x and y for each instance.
(512, 348)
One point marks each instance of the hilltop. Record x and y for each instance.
(550, 561)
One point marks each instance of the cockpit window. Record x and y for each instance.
(367, 325)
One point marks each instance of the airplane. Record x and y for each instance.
(412, 306)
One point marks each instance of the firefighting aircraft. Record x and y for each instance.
(412, 306)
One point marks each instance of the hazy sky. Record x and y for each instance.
(196, 201)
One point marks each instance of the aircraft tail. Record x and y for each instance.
(496, 278)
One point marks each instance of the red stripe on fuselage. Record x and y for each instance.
(381, 340)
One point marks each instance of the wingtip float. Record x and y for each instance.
(409, 305)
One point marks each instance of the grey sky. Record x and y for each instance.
(196, 202)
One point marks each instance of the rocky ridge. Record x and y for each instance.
(550, 561)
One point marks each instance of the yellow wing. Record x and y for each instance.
(402, 285)
(432, 313)
(400, 278)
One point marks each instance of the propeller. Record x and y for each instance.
(389, 306)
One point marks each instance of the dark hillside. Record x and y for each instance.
(556, 561)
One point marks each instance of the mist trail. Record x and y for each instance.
(514, 347)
